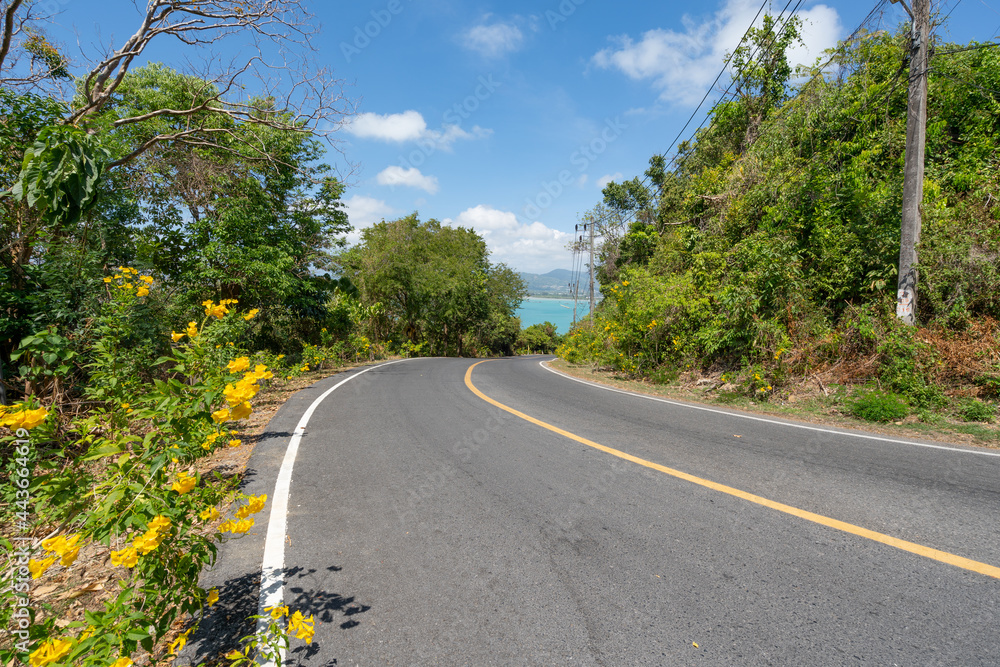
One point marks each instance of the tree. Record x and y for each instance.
(280, 73)
(761, 74)
(265, 113)
(435, 283)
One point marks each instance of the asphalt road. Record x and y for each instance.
(426, 526)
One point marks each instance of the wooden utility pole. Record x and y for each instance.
(913, 169)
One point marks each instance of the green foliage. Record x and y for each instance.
(539, 339)
(433, 284)
(978, 411)
(878, 406)
(60, 173)
(44, 360)
(906, 364)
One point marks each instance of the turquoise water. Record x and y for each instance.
(557, 311)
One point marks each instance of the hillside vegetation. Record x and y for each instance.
(767, 251)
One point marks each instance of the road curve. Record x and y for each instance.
(426, 525)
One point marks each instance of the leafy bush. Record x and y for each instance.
(977, 411)
(124, 476)
(879, 406)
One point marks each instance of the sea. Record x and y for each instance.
(538, 310)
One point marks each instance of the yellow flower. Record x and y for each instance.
(127, 557)
(158, 523)
(251, 314)
(26, 419)
(243, 526)
(192, 329)
(209, 514)
(241, 411)
(212, 310)
(302, 627)
(220, 416)
(260, 372)
(142, 291)
(305, 368)
(235, 443)
(38, 567)
(127, 286)
(238, 364)
(241, 392)
(237, 527)
(184, 483)
(50, 651)
(625, 283)
(68, 548)
(278, 611)
(122, 662)
(147, 542)
(176, 336)
(213, 597)
(256, 503)
(146, 279)
(179, 643)
(107, 279)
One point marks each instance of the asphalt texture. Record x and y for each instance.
(427, 527)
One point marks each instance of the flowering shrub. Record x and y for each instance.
(123, 476)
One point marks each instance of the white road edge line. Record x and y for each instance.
(544, 364)
(272, 569)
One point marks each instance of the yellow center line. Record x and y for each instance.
(919, 549)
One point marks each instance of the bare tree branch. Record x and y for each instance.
(8, 29)
(279, 87)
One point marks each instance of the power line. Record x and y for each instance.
(779, 29)
(721, 72)
(725, 92)
(988, 45)
(877, 9)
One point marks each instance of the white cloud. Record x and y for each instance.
(396, 175)
(525, 247)
(399, 127)
(492, 41)
(409, 126)
(364, 212)
(683, 64)
(607, 178)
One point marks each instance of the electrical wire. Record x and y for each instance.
(877, 9)
(779, 28)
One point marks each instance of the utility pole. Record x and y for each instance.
(587, 226)
(913, 169)
(590, 225)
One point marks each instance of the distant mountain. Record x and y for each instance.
(553, 283)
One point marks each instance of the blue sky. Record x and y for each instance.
(509, 117)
